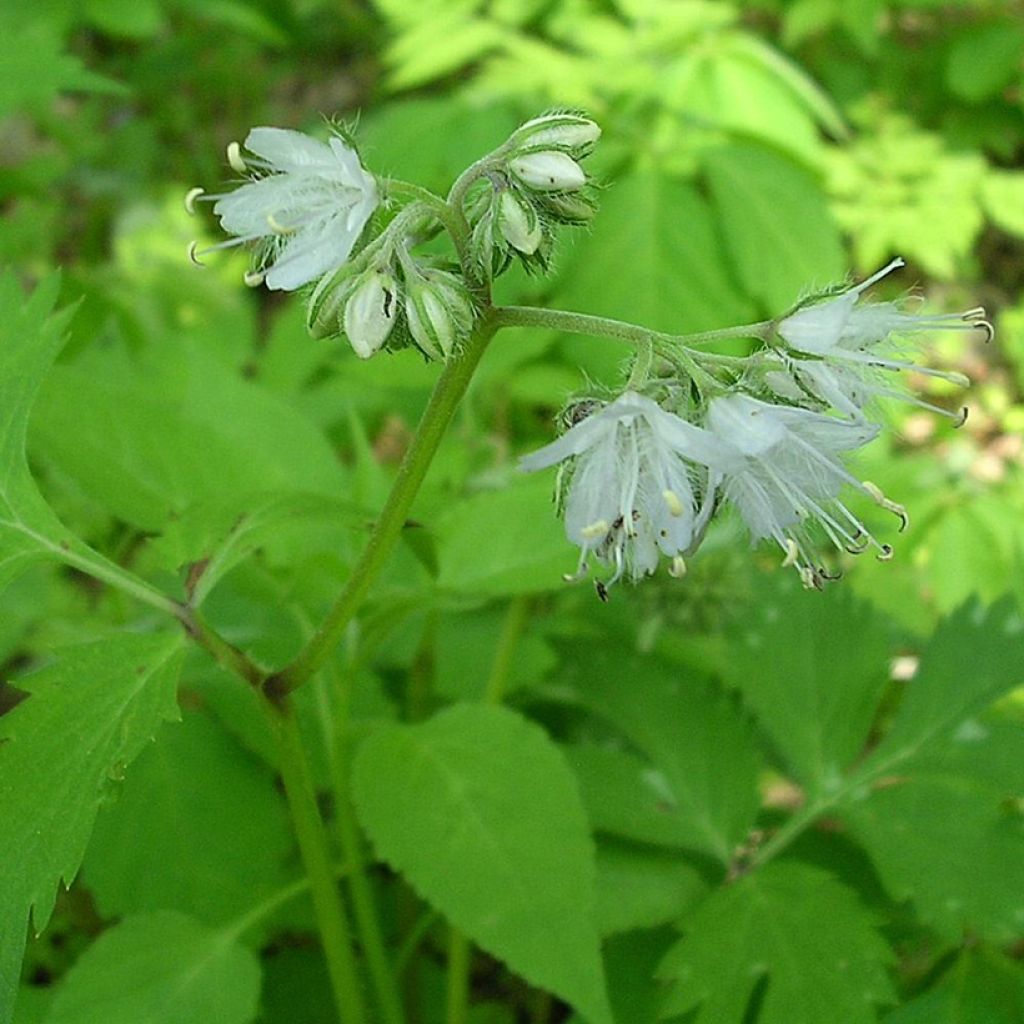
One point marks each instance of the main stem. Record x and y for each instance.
(443, 402)
(315, 850)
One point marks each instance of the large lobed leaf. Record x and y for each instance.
(85, 719)
(478, 810)
(791, 928)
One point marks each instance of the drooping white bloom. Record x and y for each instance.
(785, 473)
(635, 481)
(850, 343)
(305, 207)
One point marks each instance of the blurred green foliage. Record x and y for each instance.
(735, 790)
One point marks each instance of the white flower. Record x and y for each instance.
(785, 473)
(306, 205)
(632, 495)
(851, 341)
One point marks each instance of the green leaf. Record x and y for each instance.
(947, 832)
(30, 338)
(129, 433)
(440, 46)
(1002, 195)
(163, 968)
(974, 657)
(983, 59)
(792, 928)
(702, 760)
(638, 887)
(778, 229)
(811, 668)
(478, 810)
(504, 542)
(86, 718)
(982, 987)
(652, 257)
(197, 826)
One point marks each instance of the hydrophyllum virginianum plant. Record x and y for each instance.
(642, 473)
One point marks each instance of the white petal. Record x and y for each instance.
(591, 431)
(309, 254)
(288, 150)
(751, 426)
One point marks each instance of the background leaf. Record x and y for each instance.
(86, 718)
(478, 810)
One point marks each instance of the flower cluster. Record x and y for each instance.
(642, 480)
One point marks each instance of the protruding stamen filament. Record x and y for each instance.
(602, 591)
(890, 506)
(829, 577)
(675, 506)
(193, 254)
(575, 577)
(596, 529)
(279, 228)
(859, 544)
(254, 278)
(884, 272)
(677, 570)
(235, 158)
(961, 419)
(792, 554)
(885, 554)
(190, 199)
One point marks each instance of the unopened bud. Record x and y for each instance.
(438, 312)
(326, 304)
(569, 209)
(569, 131)
(370, 313)
(520, 224)
(548, 171)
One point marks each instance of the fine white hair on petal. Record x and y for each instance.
(306, 206)
(631, 498)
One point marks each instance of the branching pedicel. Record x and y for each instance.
(642, 473)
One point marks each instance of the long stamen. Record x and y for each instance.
(235, 158)
(190, 199)
(884, 272)
(883, 502)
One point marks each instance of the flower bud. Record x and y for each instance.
(548, 171)
(370, 312)
(520, 225)
(325, 306)
(569, 209)
(438, 312)
(569, 131)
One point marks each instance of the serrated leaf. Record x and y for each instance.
(31, 335)
(478, 810)
(811, 668)
(796, 930)
(503, 542)
(982, 987)
(777, 226)
(948, 832)
(128, 433)
(86, 718)
(653, 256)
(197, 827)
(699, 746)
(974, 656)
(639, 887)
(162, 968)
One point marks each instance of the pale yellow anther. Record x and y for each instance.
(675, 506)
(882, 501)
(277, 227)
(595, 529)
(193, 254)
(254, 278)
(190, 198)
(809, 578)
(677, 570)
(235, 158)
(792, 554)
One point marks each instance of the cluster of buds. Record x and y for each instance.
(536, 183)
(642, 477)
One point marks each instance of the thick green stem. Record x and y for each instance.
(315, 850)
(382, 977)
(460, 961)
(605, 327)
(446, 396)
(504, 653)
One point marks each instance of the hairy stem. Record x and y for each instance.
(605, 327)
(331, 916)
(450, 388)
